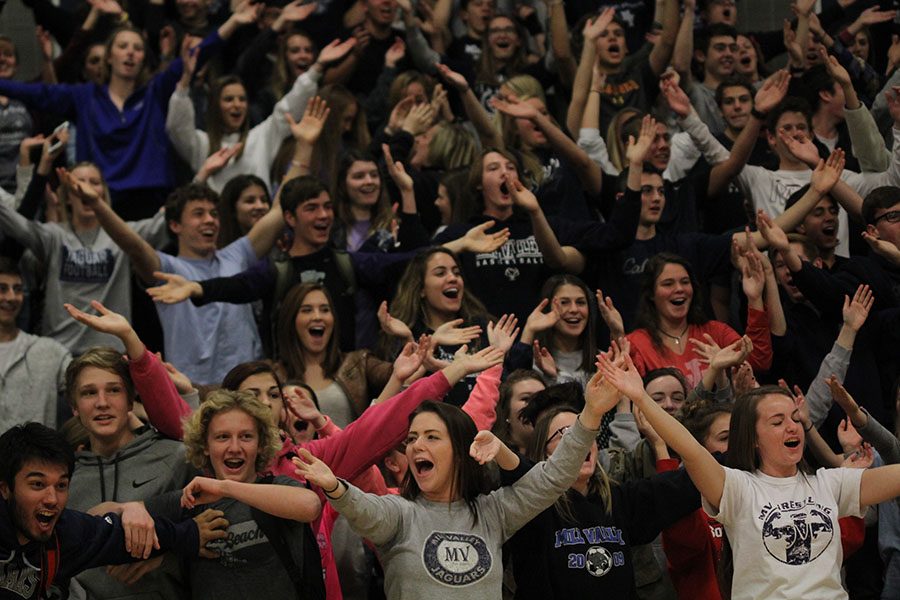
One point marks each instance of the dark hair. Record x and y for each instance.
(813, 82)
(381, 213)
(568, 394)
(667, 372)
(646, 316)
(789, 104)
(236, 376)
(486, 70)
(178, 199)
(298, 190)
(215, 121)
(810, 249)
(290, 351)
(469, 478)
(733, 80)
(881, 198)
(32, 441)
(588, 337)
(697, 417)
(502, 427)
(99, 357)
(703, 37)
(456, 183)
(743, 451)
(473, 202)
(229, 229)
(9, 267)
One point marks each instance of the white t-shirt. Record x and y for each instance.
(784, 531)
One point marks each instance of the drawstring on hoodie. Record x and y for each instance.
(102, 480)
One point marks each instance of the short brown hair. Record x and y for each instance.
(101, 357)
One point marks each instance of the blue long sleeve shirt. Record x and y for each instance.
(129, 146)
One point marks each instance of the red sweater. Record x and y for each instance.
(647, 356)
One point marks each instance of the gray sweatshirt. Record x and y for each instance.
(32, 381)
(433, 550)
(146, 467)
(80, 267)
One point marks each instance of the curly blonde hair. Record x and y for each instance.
(196, 427)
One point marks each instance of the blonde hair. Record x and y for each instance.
(63, 192)
(196, 427)
(452, 147)
(524, 87)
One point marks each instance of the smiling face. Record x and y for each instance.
(476, 16)
(653, 198)
(661, 148)
(12, 294)
(737, 102)
(793, 124)
(251, 206)
(299, 53)
(779, 435)
(232, 443)
(102, 405)
(198, 230)
(668, 392)
(860, 46)
(443, 286)
(265, 388)
(314, 322)
(573, 310)
(503, 39)
(381, 12)
(299, 430)
(8, 61)
(39, 495)
(610, 46)
(233, 106)
(363, 183)
(673, 293)
(820, 225)
(496, 171)
(720, 56)
(126, 55)
(312, 221)
(717, 436)
(429, 452)
(567, 419)
(747, 61)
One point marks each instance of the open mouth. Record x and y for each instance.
(829, 230)
(234, 463)
(503, 44)
(572, 320)
(451, 292)
(45, 517)
(679, 301)
(423, 466)
(504, 189)
(792, 443)
(726, 13)
(300, 425)
(745, 61)
(208, 234)
(103, 418)
(317, 331)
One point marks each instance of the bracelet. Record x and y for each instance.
(759, 115)
(807, 430)
(595, 91)
(329, 492)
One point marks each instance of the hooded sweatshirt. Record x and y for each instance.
(146, 467)
(32, 381)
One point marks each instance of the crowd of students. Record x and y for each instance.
(450, 299)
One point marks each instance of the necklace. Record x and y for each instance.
(674, 338)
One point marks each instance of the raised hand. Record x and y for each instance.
(862, 458)
(45, 43)
(803, 150)
(246, 13)
(504, 333)
(451, 334)
(107, 7)
(298, 404)
(677, 100)
(440, 103)
(543, 360)
(392, 326)
(842, 398)
(419, 119)
(107, 322)
(872, 16)
(335, 51)
(481, 360)
(512, 106)
(397, 171)
(395, 53)
(883, 248)
(201, 490)
(522, 196)
(140, 531)
(485, 447)
(742, 379)
(893, 55)
(772, 92)
(454, 79)
(771, 232)
(398, 114)
(753, 276)
(848, 437)
(856, 311)
(593, 28)
(610, 315)
(175, 289)
(835, 69)
(637, 150)
(624, 378)
(182, 382)
(308, 130)
(539, 320)
(411, 358)
(478, 241)
(221, 157)
(88, 195)
(827, 172)
(212, 525)
(893, 102)
(600, 395)
(296, 11)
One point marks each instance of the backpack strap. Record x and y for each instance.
(284, 278)
(345, 267)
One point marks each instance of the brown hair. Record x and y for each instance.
(215, 122)
(290, 351)
(100, 357)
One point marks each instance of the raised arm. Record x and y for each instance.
(556, 256)
(476, 113)
(706, 473)
(142, 255)
(662, 51)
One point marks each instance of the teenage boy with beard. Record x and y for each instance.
(204, 343)
(42, 543)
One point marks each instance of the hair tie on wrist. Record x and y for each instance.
(336, 486)
(759, 115)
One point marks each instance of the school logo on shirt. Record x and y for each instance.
(83, 265)
(19, 579)
(456, 559)
(796, 532)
